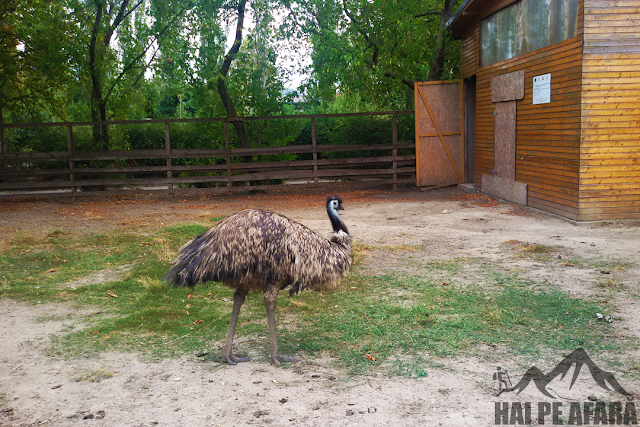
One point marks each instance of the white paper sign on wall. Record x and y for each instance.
(542, 89)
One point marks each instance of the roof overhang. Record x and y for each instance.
(465, 14)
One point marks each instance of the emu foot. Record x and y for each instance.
(233, 360)
(281, 358)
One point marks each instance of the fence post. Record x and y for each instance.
(227, 148)
(72, 174)
(394, 140)
(314, 143)
(167, 144)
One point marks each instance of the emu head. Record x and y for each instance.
(334, 202)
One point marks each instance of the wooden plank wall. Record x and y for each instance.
(470, 60)
(610, 151)
(547, 135)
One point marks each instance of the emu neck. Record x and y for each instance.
(336, 222)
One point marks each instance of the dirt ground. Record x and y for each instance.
(444, 225)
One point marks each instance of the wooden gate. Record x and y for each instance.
(439, 133)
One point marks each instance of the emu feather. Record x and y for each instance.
(260, 250)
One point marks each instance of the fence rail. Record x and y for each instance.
(19, 178)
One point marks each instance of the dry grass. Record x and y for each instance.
(94, 376)
(536, 248)
(162, 249)
(151, 284)
(400, 248)
(610, 281)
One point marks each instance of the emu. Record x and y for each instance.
(263, 251)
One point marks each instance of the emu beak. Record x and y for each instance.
(340, 208)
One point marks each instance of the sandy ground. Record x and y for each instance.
(443, 225)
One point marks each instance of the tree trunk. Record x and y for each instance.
(100, 140)
(100, 135)
(100, 132)
(227, 102)
(104, 127)
(437, 59)
(238, 125)
(3, 139)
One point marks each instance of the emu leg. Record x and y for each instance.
(270, 303)
(227, 357)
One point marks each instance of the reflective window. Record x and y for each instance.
(525, 26)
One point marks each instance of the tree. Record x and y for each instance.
(257, 82)
(224, 71)
(436, 66)
(149, 58)
(33, 64)
(377, 49)
(119, 43)
(244, 76)
(33, 60)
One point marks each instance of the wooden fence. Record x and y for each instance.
(19, 177)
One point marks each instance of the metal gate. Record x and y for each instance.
(439, 109)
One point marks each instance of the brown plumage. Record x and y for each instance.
(263, 251)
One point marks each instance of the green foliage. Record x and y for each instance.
(367, 131)
(376, 49)
(177, 48)
(162, 59)
(32, 54)
(37, 139)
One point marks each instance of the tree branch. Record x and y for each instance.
(113, 25)
(235, 48)
(437, 59)
(292, 15)
(132, 63)
(428, 13)
(95, 84)
(144, 69)
(227, 102)
(29, 94)
(375, 58)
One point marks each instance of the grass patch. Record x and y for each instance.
(394, 324)
(538, 252)
(451, 267)
(439, 322)
(411, 367)
(94, 376)
(610, 281)
(608, 265)
(361, 250)
(536, 248)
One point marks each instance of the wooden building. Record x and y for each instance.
(553, 103)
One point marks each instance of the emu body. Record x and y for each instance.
(263, 251)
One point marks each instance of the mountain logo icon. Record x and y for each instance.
(577, 359)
